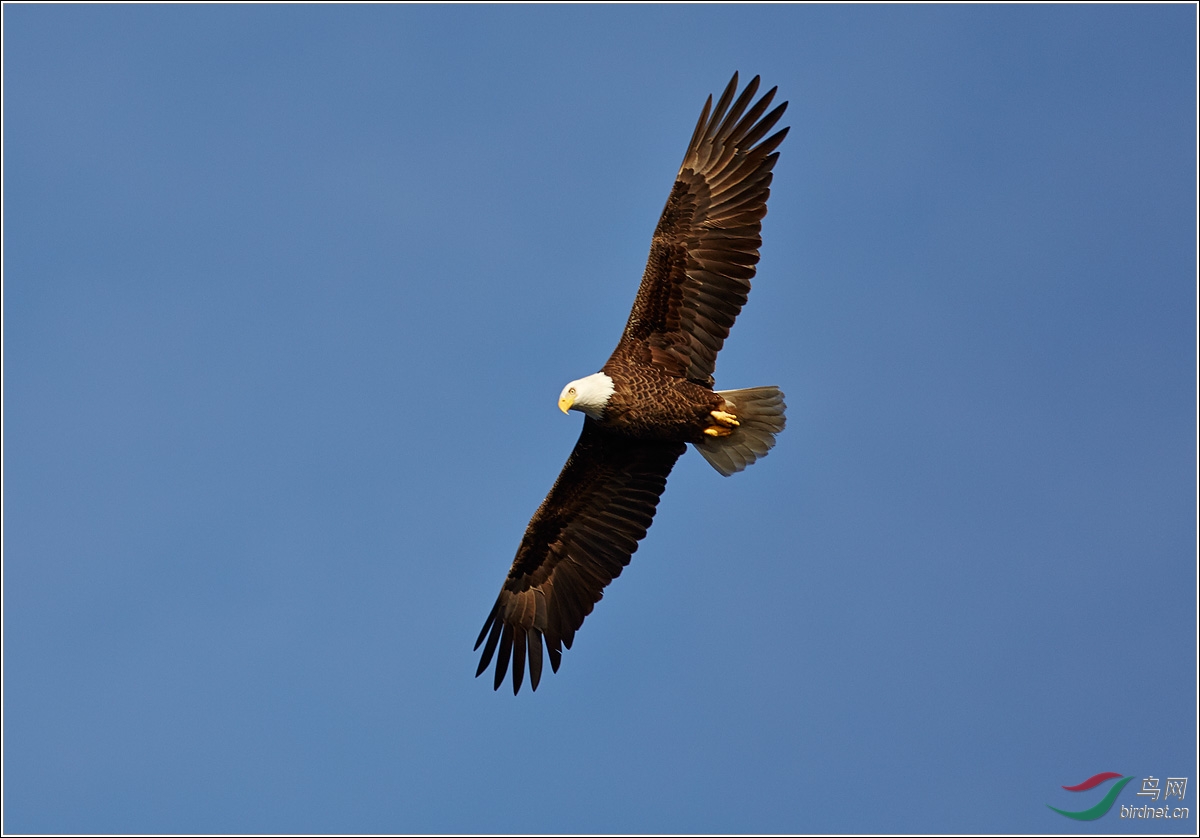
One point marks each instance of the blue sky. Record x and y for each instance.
(289, 296)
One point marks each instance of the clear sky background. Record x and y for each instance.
(290, 294)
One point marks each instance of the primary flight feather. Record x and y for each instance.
(655, 393)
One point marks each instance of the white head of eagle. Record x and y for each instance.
(589, 394)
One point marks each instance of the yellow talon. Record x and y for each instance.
(725, 418)
(718, 430)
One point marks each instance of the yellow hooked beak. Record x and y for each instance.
(564, 404)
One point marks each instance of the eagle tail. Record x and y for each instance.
(759, 411)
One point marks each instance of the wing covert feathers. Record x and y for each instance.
(579, 540)
(705, 248)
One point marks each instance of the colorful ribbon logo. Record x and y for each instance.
(1104, 805)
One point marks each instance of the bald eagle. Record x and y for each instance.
(654, 395)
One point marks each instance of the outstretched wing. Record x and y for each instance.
(706, 244)
(578, 541)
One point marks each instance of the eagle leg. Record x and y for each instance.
(723, 425)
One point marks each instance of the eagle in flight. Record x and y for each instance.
(654, 395)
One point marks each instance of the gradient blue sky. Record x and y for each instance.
(289, 296)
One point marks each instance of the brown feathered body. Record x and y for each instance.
(647, 404)
(655, 392)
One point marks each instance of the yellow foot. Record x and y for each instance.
(724, 418)
(718, 430)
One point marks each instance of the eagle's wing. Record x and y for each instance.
(706, 244)
(577, 542)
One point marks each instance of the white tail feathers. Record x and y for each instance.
(759, 411)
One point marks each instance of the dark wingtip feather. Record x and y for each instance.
(518, 658)
(490, 648)
(506, 640)
(733, 123)
(732, 86)
(772, 142)
(764, 125)
(535, 658)
(699, 130)
(487, 624)
(718, 112)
